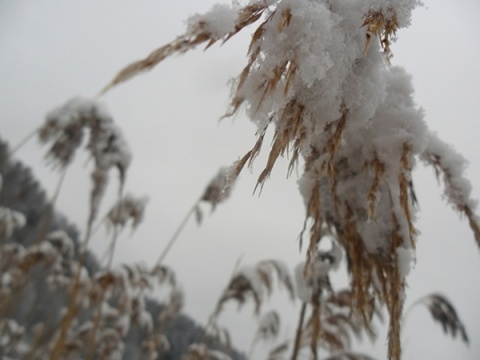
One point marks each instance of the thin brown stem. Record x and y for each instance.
(176, 234)
(298, 336)
(22, 142)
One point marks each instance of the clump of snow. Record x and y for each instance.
(62, 242)
(404, 259)
(303, 290)
(451, 166)
(10, 220)
(218, 22)
(312, 279)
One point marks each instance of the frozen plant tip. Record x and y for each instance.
(443, 312)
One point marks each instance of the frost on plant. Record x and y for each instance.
(319, 74)
(64, 129)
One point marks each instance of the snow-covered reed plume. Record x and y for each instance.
(65, 127)
(319, 73)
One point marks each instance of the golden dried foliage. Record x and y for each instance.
(246, 16)
(404, 179)
(378, 169)
(285, 134)
(383, 27)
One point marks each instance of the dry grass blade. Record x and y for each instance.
(252, 282)
(291, 120)
(349, 356)
(285, 71)
(246, 16)
(472, 221)
(443, 311)
(278, 352)
(249, 156)
(395, 297)
(378, 169)
(180, 45)
(333, 144)
(404, 184)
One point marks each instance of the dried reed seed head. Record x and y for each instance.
(109, 279)
(164, 274)
(127, 208)
(240, 289)
(220, 186)
(253, 281)
(65, 127)
(444, 312)
(282, 272)
(269, 326)
(138, 276)
(42, 254)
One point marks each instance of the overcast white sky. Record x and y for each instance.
(51, 50)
